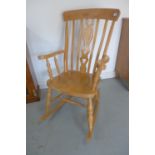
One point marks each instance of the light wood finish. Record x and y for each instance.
(110, 14)
(48, 99)
(96, 106)
(108, 40)
(101, 42)
(74, 103)
(79, 44)
(100, 65)
(49, 69)
(93, 46)
(90, 117)
(57, 66)
(57, 97)
(52, 54)
(66, 49)
(87, 36)
(52, 111)
(73, 83)
(72, 48)
(79, 82)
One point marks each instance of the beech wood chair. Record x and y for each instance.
(77, 79)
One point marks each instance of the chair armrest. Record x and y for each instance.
(53, 54)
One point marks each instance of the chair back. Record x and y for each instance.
(85, 46)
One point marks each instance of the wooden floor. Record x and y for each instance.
(64, 134)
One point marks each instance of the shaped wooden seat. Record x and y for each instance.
(83, 63)
(74, 83)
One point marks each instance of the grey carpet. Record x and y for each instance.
(64, 134)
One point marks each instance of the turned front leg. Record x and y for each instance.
(48, 99)
(90, 117)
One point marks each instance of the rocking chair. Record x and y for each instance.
(82, 65)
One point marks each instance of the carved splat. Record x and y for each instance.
(87, 35)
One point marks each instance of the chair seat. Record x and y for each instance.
(73, 83)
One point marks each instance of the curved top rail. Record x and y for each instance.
(94, 13)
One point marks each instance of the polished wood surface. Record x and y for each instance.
(93, 46)
(77, 79)
(110, 14)
(79, 44)
(122, 64)
(47, 56)
(72, 48)
(73, 83)
(32, 88)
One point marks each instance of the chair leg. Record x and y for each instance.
(48, 100)
(48, 110)
(47, 104)
(51, 112)
(90, 117)
(96, 107)
(92, 109)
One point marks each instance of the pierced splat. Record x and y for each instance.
(87, 35)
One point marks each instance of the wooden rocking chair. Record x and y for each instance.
(77, 79)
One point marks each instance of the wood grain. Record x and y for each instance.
(93, 46)
(87, 36)
(101, 42)
(52, 54)
(122, 63)
(56, 64)
(49, 69)
(72, 48)
(109, 14)
(66, 48)
(79, 44)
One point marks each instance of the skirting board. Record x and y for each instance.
(104, 75)
(108, 75)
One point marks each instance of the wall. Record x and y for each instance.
(45, 30)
